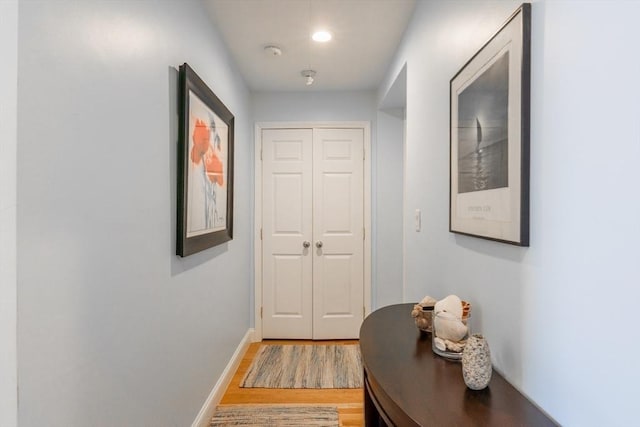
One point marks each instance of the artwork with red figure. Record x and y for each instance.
(208, 146)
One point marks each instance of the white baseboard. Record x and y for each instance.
(205, 414)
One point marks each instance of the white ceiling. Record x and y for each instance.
(366, 34)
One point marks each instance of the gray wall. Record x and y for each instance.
(114, 329)
(314, 106)
(387, 184)
(8, 147)
(560, 315)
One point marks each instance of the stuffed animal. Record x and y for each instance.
(450, 320)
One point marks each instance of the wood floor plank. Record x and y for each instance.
(350, 402)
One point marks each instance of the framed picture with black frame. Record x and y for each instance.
(205, 167)
(489, 137)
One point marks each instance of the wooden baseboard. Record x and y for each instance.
(205, 414)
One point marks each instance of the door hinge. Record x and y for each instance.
(261, 234)
(364, 233)
(261, 312)
(364, 310)
(261, 154)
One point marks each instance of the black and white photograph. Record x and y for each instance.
(483, 107)
(489, 137)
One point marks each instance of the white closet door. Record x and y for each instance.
(338, 233)
(287, 227)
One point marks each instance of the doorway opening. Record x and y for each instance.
(314, 251)
(389, 199)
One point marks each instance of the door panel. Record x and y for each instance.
(287, 274)
(337, 221)
(337, 271)
(287, 224)
(338, 233)
(313, 192)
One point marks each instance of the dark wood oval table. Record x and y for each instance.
(406, 384)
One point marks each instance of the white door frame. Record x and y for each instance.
(8, 214)
(366, 126)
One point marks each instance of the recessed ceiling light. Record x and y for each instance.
(321, 36)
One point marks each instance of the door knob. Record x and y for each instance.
(319, 244)
(306, 244)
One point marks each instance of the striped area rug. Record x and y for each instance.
(305, 366)
(275, 416)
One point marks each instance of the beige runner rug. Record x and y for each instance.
(305, 366)
(275, 416)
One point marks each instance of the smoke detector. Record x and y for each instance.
(273, 50)
(309, 75)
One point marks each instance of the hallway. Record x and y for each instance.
(348, 401)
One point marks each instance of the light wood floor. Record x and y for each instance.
(348, 401)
